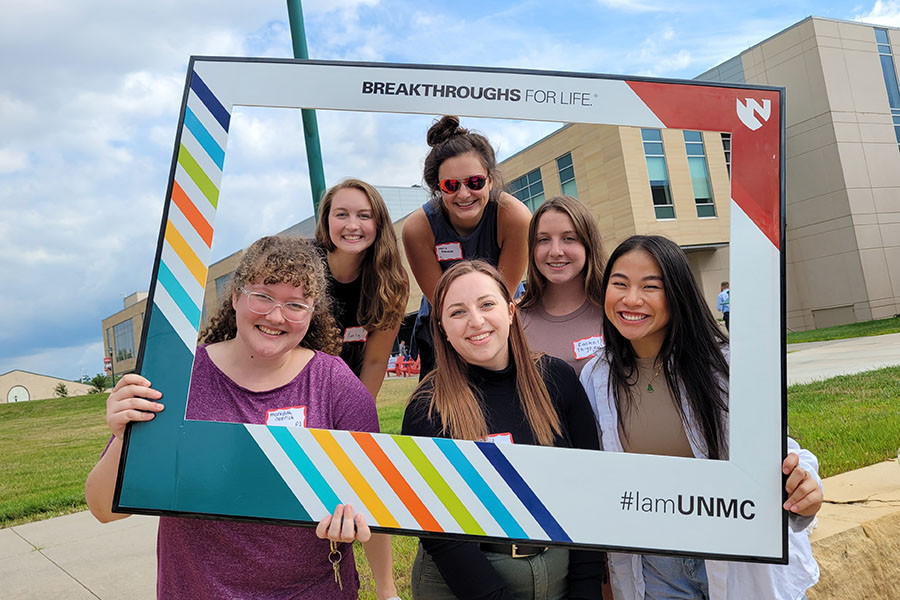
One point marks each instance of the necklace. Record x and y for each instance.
(655, 375)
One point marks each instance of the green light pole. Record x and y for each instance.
(310, 125)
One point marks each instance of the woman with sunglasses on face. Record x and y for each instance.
(367, 282)
(488, 386)
(561, 311)
(269, 347)
(660, 386)
(468, 217)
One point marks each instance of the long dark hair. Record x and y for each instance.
(588, 234)
(384, 286)
(691, 353)
(451, 397)
(277, 259)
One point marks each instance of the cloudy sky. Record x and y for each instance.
(90, 93)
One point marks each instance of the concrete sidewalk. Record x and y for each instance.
(75, 557)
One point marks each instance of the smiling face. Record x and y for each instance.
(476, 319)
(559, 254)
(271, 335)
(351, 223)
(464, 206)
(636, 302)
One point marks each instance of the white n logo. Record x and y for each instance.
(747, 112)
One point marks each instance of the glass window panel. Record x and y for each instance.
(896, 119)
(651, 135)
(534, 176)
(569, 188)
(700, 178)
(692, 136)
(706, 210)
(884, 49)
(664, 212)
(653, 148)
(881, 36)
(656, 168)
(890, 81)
(694, 149)
(897, 133)
(124, 334)
(564, 161)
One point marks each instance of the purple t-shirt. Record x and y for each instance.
(226, 560)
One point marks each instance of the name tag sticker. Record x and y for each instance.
(498, 438)
(448, 251)
(355, 334)
(291, 416)
(587, 347)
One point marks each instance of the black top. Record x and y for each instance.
(345, 300)
(466, 570)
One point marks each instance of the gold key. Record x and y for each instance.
(335, 559)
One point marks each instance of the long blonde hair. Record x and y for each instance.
(453, 399)
(384, 286)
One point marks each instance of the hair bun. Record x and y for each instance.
(443, 129)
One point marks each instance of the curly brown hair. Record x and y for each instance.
(276, 259)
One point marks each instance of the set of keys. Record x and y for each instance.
(334, 557)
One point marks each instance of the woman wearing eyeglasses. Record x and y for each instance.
(368, 284)
(270, 346)
(468, 217)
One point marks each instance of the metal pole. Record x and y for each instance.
(310, 125)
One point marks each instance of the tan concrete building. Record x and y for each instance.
(21, 386)
(122, 334)
(842, 165)
(646, 181)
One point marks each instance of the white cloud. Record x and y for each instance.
(884, 12)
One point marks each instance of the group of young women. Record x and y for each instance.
(653, 367)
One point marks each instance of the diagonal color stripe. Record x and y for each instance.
(186, 253)
(481, 489)
(204, 183)
(434, 480)
(193, 215)
(210, 101)
(202, 135)
(289, 474)
(356, 480)
(179, 295)
(306, 467)
(524, 492)
(390, 473)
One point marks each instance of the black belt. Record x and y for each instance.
(513, 550)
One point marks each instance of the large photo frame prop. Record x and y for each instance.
(713, 508)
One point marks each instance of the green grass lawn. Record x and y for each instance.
(840, 332)
(49, 446)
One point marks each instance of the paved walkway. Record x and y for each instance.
(75, 557)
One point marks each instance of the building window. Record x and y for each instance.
(726, 148)
(529, 189)
(222, 287)
(703, 198)
(890, 77)
(567, 175)
(124, 334)
(658, 174)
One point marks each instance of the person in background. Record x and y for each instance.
(660, 386)
(270, 345)
(367, 282)
(561, 310)
(468, 217)
(723, 304)
(487, 385)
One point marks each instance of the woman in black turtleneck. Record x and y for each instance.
(488, 386)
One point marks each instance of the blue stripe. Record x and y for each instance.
(212, 103)
(478, 485)
(206, 140)
(523, 491)
(307, 469)
(179, 295)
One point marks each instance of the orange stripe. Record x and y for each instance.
(390, 473)
(185, 253)
(356, 480)
(193, 215)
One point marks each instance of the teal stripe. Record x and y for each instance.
(206, 140)
(179, 295)
(478, 485)
(306, 467)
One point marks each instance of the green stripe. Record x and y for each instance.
(196, 173)
(437, 484)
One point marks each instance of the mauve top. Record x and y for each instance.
(200, 558)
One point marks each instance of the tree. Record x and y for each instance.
(61, 390)
(99, 383)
